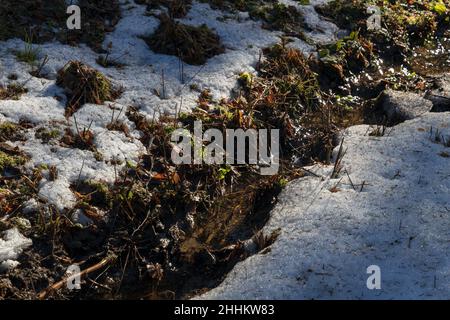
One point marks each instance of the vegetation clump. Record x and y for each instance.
(280, 17)
(93, 194)
(10, 158)
(82, 139)
(46, 20)
(339, 61)
(29, 53)
(20, 18)
(193, 45)
(273, 14)
(99, 17)
(12, 91)
(10, 131)
(403, 25)
(46, 135)
(175, 8)
(84, 84)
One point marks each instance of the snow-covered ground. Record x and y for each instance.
(141, 75)
(400, 221)
(44, 103)
(12, 243)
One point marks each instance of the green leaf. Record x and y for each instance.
(440, 8)
(324, 52)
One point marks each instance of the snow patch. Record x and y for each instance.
(394, 213)
(12, 243)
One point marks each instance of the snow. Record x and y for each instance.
(141, 75)
(322, 31)
(12, 243)
(400, 221)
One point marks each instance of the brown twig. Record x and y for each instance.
(56, 286)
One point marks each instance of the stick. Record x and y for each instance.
(43, 294)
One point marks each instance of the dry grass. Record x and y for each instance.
(194, 45)
(12, 91)
(84, 84)
(45, 21)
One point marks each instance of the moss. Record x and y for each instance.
(8, 130)
(245, 79)
(95, 193)
(414, 22)
(46, 135)
(194, 45)
(10, 161)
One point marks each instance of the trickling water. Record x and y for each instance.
(434, 60)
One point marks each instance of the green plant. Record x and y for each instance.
(7, 160)
(29, 53)
(222, 172)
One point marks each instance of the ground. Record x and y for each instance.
(87, 181)
(388, 207)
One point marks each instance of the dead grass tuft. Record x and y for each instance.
(84, 84)
(12, 91)
(193, 45)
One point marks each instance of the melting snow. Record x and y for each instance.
(141, 75)
(11, 245)
(400, 221)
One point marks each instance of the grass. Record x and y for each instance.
(46, 135)
(45, 20)
(29, 54)
(405, 25)
(12, 91)
(177, 228)
(10, 131)
(194, 45)
(8, 160)
(175, 8)
(84, 84)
